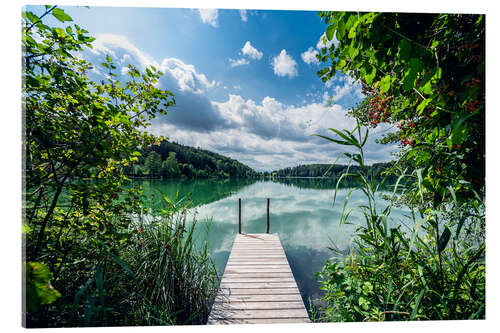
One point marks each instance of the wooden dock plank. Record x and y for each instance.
(225, 311)
(263, 305)
(260, 298)
(253, 291)
(242, 274)
(258, 321)
(258, 285)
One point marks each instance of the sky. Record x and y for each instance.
(244, 81)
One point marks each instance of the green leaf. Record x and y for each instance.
(39, 291)
(409, 79)
(421, 107)
(330, 31)
(60, 32)
(417, 226)
(352, 31)
(449, 143)
(32, 17)
(404, 49)
(427, 88)
(370, 75)
(364, 303)
(59, 14)
(443, 239)
(367, 288)
(416, 64)
(385, 83)
(417, 304)
(340, 64)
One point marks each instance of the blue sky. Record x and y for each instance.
(245, 82)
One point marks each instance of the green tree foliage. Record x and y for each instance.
(327, 170)
(79, 136)
(190, 162)
(153, 165)
(425, 73)
(171, 167)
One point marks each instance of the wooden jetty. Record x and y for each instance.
(258, 285)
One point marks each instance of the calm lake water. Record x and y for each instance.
(302, 213)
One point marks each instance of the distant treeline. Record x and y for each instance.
(173, 160)
(325, 170)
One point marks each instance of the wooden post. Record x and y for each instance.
(239, 215)
(267, 215)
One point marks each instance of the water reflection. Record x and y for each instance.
(303, 216)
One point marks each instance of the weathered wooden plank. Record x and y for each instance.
(258, 254)
(234, 305)
(270, 275)
(262, 265)
(257, 258)
(258, 314)
(256, 269)
(258, 321)
(260, 298)
(255, 285)
(256, 261)
(254, 257)
(258, 251)
(260, 291)
(249, 256)
(258, 243)
(257, 280)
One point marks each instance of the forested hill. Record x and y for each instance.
(173, 160)
(326, 170)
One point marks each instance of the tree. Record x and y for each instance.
(426, 74)
(153, 164)
(170, 166)
(75, 130)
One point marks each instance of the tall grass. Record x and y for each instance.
(158, 274)
(430, 267)
(177, 279)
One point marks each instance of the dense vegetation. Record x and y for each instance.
(173, 160)
(425, 74)
(91, 258)
(327, 170)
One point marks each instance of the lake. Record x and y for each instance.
(302, 213)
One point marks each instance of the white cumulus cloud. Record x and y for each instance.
(209, 16)
(309, 56)
(238, 62)
(284, 65)
(251, 51)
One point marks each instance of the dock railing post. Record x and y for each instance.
(267, 215)
(239, 215)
